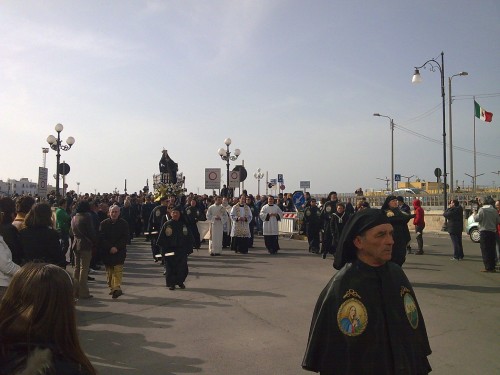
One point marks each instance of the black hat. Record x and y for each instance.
(176, 208)
(359, 223)
(400, 198)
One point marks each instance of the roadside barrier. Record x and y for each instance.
(288, 224)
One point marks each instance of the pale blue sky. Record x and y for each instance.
(293, 83)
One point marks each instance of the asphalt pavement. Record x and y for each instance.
(250, 314)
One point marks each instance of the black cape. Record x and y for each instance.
(387, 334)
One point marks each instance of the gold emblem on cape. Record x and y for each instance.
(168, 231)
(184, 230)
(351, 293)
(308, 212)
(411, 310)
(352, 317)
(328, 208)
(188, 211)
(157, 213)
(389, 213)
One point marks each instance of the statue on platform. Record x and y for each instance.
(168, 168)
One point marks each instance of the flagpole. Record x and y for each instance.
(475, 172)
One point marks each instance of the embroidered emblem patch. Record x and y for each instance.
(389, 213)
(184, 230)
(308, 212)
(157, 213)
(352, 317)
(168, 231)
(411, 310)
(188, 211)
(328, 209)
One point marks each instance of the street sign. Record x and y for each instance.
(243, 172)
(63, 169)
(397, 177)
(282, 187)
(298, 199)
(438, 172)
(280, 178)
(212, 178)
(305, 184)
(42, 181)
(234, 179)
(272, 181)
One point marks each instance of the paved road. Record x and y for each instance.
(250, 314)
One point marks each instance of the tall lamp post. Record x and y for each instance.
(259, 176)
(391, 123)
(418, 79)
(474, 179)
(450, 127)
(56, 145)
(226, 155)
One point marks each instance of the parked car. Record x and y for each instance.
(409, 194)
(409, 191)
(472, 229)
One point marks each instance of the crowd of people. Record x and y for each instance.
(39, 239)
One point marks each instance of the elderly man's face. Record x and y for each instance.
(375, 245)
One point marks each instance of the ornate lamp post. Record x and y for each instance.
(226, 155)
(392, 147)
(418, 79)
(56, 145)
(259, 176)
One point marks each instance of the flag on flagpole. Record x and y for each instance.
(481, 113)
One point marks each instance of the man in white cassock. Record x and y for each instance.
(217, 216)
(270, 214)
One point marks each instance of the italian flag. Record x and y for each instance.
(481, 113)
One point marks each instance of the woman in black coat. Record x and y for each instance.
(39, 240)
(455, 226)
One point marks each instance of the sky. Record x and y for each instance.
(293, 83)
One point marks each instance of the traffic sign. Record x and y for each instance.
(438, 172)
(298, 199)
(63, 168)
(282, 187)
(280, 178)
(397, 177)
(234, 179)
(305, 184)
(212, 178)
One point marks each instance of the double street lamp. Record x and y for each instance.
(259, 175)
(433, 64)
(226, 155)
(56, 145)
(392, 147)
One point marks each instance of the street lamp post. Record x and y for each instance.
(392, 147)
(417, 79)
(259, 176)
(226, 155)
(56, 145)
(474, 179)
(450, 128)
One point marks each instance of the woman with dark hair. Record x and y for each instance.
(23, 206)
(38, 324)
(85, 239)
(39, 240)
(8, 231)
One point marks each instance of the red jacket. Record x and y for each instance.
(419, 213)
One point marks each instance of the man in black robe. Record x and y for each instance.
(327, 211)
(156, 219)
(312, 221)
(176, 243)
(367, 319)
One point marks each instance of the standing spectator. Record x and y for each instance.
(407, 210)
(176, 243)
(39, 240)
(146, 209)
(63, 223)
(241, 215)
(85, 239)
(455, 216)
(349, 208)
(7, 267)
(128, 214)
(270, 214)
(192, 215)
(401, 234)
(38, 324)
(8, 231)
(23, 206)
(419, 223)
(114, 236)
(488, 219)
(367, 319)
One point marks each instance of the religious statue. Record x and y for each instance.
(168, 168)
